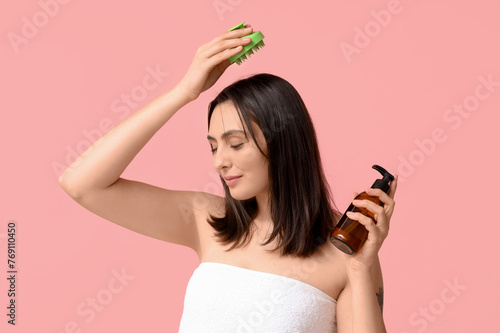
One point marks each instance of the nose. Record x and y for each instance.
(221, 158)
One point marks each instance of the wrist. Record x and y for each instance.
(357, 270)
(185, 92)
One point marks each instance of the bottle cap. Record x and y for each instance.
(383, 183)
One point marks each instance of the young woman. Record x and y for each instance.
(266, 260)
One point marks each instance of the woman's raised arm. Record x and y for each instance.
(93, 179)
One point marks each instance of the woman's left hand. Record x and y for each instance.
(377, 232)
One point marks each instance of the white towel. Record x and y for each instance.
(225, 298)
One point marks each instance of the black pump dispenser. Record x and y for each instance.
(349, 235)
(383, 183)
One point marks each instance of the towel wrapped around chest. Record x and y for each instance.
(225, 298)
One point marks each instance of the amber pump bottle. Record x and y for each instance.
(349, 235)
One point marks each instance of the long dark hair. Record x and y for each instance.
(301, 204)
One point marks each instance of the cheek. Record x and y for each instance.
(253, 163)
(260, 167)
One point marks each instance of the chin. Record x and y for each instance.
(240, 195)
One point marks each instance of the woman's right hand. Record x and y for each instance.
(211, 60)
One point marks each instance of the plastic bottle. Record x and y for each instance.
(350, 235)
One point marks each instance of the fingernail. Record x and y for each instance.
(248, 29)
(246, 40)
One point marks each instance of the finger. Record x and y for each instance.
(394, 186)
(370, 205)
(388, 203)
(375, 230)
(227, 35)
(384, 197)
(363, 219)
(222, 56)
(354, 195)
(226, 49)
(379, 214)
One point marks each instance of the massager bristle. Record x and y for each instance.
(256, 43)
(243, 57)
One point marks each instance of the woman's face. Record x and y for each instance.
(235, 155)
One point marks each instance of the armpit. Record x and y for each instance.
(380, 298)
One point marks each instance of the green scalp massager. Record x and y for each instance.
(257, 42)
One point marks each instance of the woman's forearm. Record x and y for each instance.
(102, 163)
(367, 312)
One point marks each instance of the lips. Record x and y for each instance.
(232, 180)
(231, 177)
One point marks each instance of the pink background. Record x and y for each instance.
(388, 103)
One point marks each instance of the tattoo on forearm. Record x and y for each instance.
(380, 298)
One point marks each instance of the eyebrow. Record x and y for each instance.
(226, 134)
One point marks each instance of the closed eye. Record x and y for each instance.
(235, 147)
